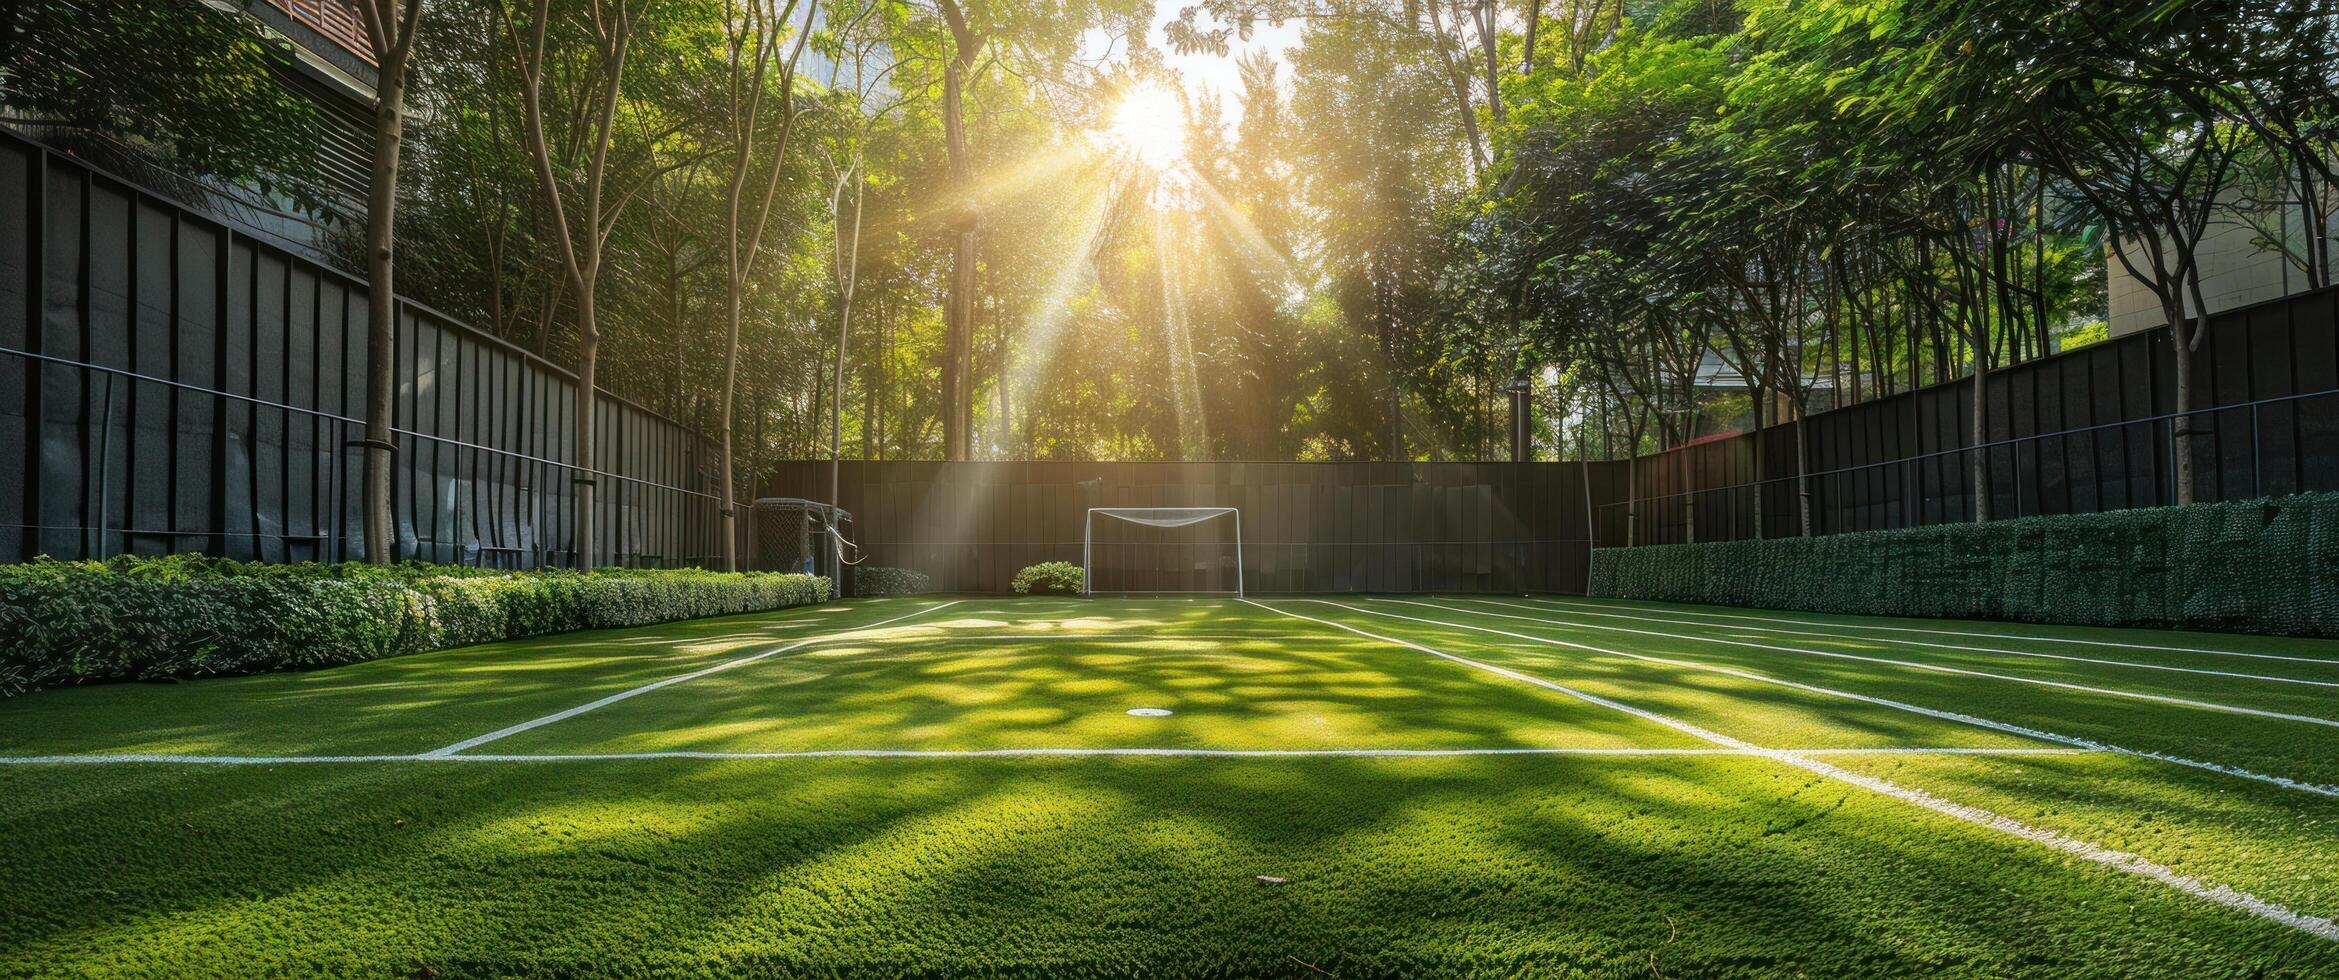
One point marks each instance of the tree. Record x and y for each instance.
(390, 31)
(592, 51)
(966, 45)
(753, 37)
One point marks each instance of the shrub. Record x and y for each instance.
(1048, 578)
(129, 618)
(874, 580)
(2265, 566)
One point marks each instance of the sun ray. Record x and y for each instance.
(1045, 319)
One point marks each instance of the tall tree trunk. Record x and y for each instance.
(579, 245)
(1802, 424)
(2181, 426)
(588, 363)
(1527, 45)
(1490, 39)
(726, 487)
(2185, 335)
(1981, 436)
(1760, 431)
(848, 284)
(390, 33)
(1458, 78)
(741, 254)
(958, 314)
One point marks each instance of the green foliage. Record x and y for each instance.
(1048, 578)
(131, 618)
(877, 580)
(187, 84)
(2264, 566)
(2084, 335)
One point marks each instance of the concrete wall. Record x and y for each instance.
(2236, 272)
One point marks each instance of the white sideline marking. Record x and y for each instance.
(2285, 782)
(2121, 860)
(479, 740)
(101, 758)
(1936, 668)
(1996, 636)
(1087, 637)
(1583, 610)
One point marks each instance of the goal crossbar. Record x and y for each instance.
(1161, 517)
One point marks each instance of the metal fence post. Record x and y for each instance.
(2257, 456)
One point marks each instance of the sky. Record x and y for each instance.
(1207, 72)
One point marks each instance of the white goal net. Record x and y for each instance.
(1162, 551)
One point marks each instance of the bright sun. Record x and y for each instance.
(1150, 125)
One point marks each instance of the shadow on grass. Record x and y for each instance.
(398, 705)
(1063, 868)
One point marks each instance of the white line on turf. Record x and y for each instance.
(924, 639)
(103, 758)
(2285, 782)
(1913, 665)
(478, 740)
(2117, 644)
(2121, 860)
(1584, 610)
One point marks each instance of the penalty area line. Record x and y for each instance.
(2016, 637)
(2120, 860)
(1582, 610)
(1910, 664)
(2319, 789)
(479, 740)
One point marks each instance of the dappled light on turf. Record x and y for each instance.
(1419, 865)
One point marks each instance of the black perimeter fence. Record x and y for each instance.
(1306, 527)
(170, 382)
(2088, 430)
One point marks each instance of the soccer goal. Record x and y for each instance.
(1161, 551)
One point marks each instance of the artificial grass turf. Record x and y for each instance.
(402, 704)
(1499, 866)
(2298, 685)
(935, 687)
(2286, 748)
(2273, 841)
(1094, 867)
(2136, 642)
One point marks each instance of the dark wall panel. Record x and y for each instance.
(2078, 432)
(171, 383)
(1306, 527)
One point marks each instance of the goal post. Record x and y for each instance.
(1163, 518)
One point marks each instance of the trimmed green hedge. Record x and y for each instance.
(67, 622)
(1048, 578)
(2262, 566)
(878, 580)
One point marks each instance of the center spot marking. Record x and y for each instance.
(1150, 712)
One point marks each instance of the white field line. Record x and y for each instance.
(2285, 782)
(1583, 610)
(1992, 636)
(1913, 665)
(1066, 637)
(101, 758)
(2120, 860)
(479, 740)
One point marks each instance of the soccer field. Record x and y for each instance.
(1499, 786)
